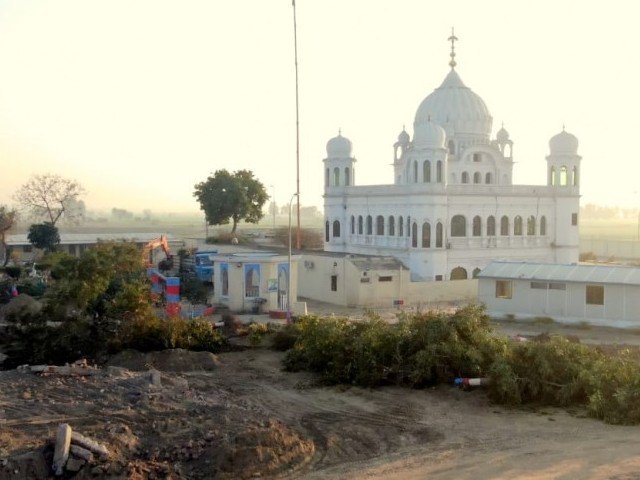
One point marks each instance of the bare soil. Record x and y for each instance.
(246, 418)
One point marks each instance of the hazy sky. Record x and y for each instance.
(141, 99)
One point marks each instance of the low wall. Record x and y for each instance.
(619, 249)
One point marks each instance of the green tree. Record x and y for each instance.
(8, 218)
(232, 197)
(51, 197)
(44, 236)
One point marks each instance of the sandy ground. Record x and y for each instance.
(245, 417)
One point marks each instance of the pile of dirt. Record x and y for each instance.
(263, 449)
(176, 360)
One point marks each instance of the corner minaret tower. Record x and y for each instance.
(338, 166)
(563, 162)
(563, 174)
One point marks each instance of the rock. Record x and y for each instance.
(75, 464)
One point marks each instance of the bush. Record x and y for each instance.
(13, 271)
(310, 238)
(429, 348)
(285, 338)
(151, 334)
(202, 336)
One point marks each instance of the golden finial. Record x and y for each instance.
(452, 39)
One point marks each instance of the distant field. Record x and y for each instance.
(614, 229)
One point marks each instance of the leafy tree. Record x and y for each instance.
(8, 218)
(51, 197)
(44, 236)
(233, 196)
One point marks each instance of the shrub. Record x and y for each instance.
(429, 348)
(310, 238)
(202, 336)
(256, 332)
(13, 271)
(285, 338)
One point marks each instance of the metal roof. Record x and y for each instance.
(91, 238)
(583, 273)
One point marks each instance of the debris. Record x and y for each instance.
(89, 444)
(75, 464)
(61, 452)
(154, 378)
(79, 368)
(82, 453)
(472, 382)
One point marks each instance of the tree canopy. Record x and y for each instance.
(44, 236)
(236, 196)
(8, 218)
(51, 197)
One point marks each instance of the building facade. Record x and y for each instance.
(452, 206)
(607, 295)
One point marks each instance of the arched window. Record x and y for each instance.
(400, 227)
(347, 177)
(458, 273)
(477, 177)
(353, 225)
(465, 177)
(458, 226)
(369, 225)
(452, 147)
(543, 226)
(487, 178)
(517, 225)
(415, 171)
(392, 226)
(336, 228)
(475, 273)
(360, 232)
(224, 272)
(326, 177)
(491, 226)
(531, 225)
(439, 231)
(336, 177)
(251, 280)
(426, 172)
(326, 231)
(477, 226)
(439, 171)
(575, 177)
(552, 173)
(504, 226)
(414, 235)
(379, 225)
(563, 176)
(426, 235)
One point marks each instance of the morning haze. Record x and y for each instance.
(137, 99)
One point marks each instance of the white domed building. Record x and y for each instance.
(452, 206)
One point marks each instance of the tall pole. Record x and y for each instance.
(273, 204)
(295, 51)
(289, 263)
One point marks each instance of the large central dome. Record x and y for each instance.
(456, 108)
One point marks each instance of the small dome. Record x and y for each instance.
(502, 136)
(339, 147)
(428, 134)
(563, 143)
(403, 138)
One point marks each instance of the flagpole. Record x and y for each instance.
(295, 50)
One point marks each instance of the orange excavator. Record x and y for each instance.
(150, 247)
